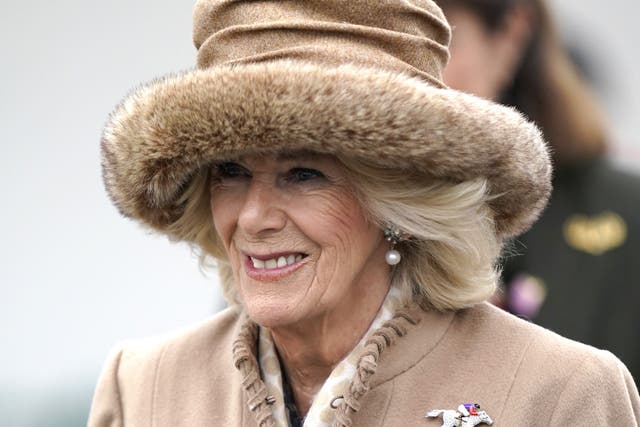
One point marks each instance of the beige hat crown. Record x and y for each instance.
(410, 37)
(358, 78)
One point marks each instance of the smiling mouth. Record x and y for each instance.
(276, 262)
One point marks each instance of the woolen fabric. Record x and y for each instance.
(520, 374)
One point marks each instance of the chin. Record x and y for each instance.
(275, 304)
(271, 317)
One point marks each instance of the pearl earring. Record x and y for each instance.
(393, 236)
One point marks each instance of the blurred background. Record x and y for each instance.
(75, 277)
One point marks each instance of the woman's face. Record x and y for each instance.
(471, 67)
(483, 62)
(298, 241)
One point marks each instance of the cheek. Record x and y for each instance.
(471, 63)
(466, 68)
(336, 222)
(224, 209)
(471, 75)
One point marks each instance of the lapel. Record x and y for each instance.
(417, 343)
(391, 350)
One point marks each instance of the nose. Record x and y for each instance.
(262, 211)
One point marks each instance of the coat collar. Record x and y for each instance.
(420, 339)
(392, 349)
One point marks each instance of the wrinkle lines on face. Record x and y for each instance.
(304, 205)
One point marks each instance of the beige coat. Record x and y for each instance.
(520, 374)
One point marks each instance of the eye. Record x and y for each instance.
(229, 170)
(303, 174)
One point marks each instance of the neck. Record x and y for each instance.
(310, 350)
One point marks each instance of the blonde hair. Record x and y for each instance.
(448, 262)
(196, 227)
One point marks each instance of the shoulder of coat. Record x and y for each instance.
(215, 332)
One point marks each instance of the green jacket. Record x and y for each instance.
(579, 269)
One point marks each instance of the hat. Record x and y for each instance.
(353, 78)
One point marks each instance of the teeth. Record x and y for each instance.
(279, 262)
(271, 263)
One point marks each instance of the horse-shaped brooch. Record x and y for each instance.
(453, 418)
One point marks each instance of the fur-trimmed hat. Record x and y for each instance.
(346, 77)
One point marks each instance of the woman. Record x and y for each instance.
(576, 270)
(356, 208)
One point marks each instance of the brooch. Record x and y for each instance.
(467, 415)
(595, 235)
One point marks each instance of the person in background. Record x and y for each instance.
(577, 271)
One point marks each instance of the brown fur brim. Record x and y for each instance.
(167, 131)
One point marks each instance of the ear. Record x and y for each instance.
(511, 40)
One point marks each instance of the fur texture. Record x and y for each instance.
(164, 133)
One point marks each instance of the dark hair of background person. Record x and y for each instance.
(547, 86)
